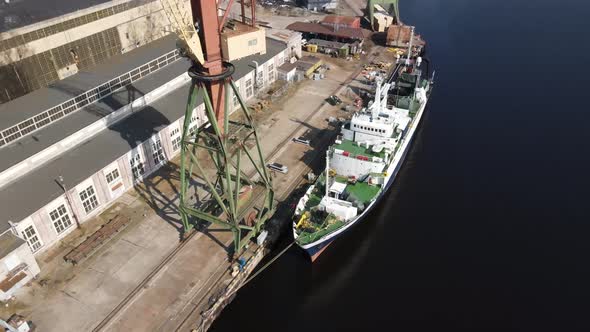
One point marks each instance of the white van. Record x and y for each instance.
(301, 140)
(278, 167)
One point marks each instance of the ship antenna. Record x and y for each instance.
(376, 106)
(327, 171)
(410, 46)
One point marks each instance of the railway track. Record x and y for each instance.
(137, 290)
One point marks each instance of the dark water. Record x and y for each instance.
(488, 226)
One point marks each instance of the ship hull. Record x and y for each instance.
(315, 249)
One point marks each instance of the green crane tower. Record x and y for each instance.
(239, 202)
(392, 7)
(238, 194)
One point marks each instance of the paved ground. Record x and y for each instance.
(77, 296)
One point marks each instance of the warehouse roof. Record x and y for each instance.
(16, 14)
(40, 100)
(283, 35)
(343, 32)
(399, 36)
(336, 19)
(36, 142)
(35, 190)
(287, 67)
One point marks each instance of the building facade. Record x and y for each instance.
(242, 40)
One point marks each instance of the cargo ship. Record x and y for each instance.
(365, 158)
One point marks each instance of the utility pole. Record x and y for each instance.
(62, 184)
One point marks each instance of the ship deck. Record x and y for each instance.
(355, 149)
(319, 223)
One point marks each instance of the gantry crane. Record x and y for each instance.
(238, 201)
(392, 7)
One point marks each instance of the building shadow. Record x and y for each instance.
(159, 191)
(104, 106)
(379, 38)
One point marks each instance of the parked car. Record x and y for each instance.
(278, 167)
(301, 140)
(334, 100)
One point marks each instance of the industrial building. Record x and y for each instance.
(381, 18)
(337, 22)
(312, 30)
(240, 40)
(293, 40)
(76, 142)
(399, 36)
(43, 52)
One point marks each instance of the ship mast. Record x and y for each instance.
(376, 106)
(327, 172)
(410, 46)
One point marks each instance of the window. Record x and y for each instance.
(61, 219)
(88, 198)
(113, 176)
(176, 143)
(260, 79)
(175, 138)
(157, 151)
(271, 73)
(192, 129)
(235, 99)
(252, 42)
(136, 164)
(249, 91)
(30, 235)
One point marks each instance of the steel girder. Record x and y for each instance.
(225, 148)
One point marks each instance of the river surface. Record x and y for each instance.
(487, 227)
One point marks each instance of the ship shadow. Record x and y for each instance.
(320, 139)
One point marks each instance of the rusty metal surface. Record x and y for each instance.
(97, 239)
